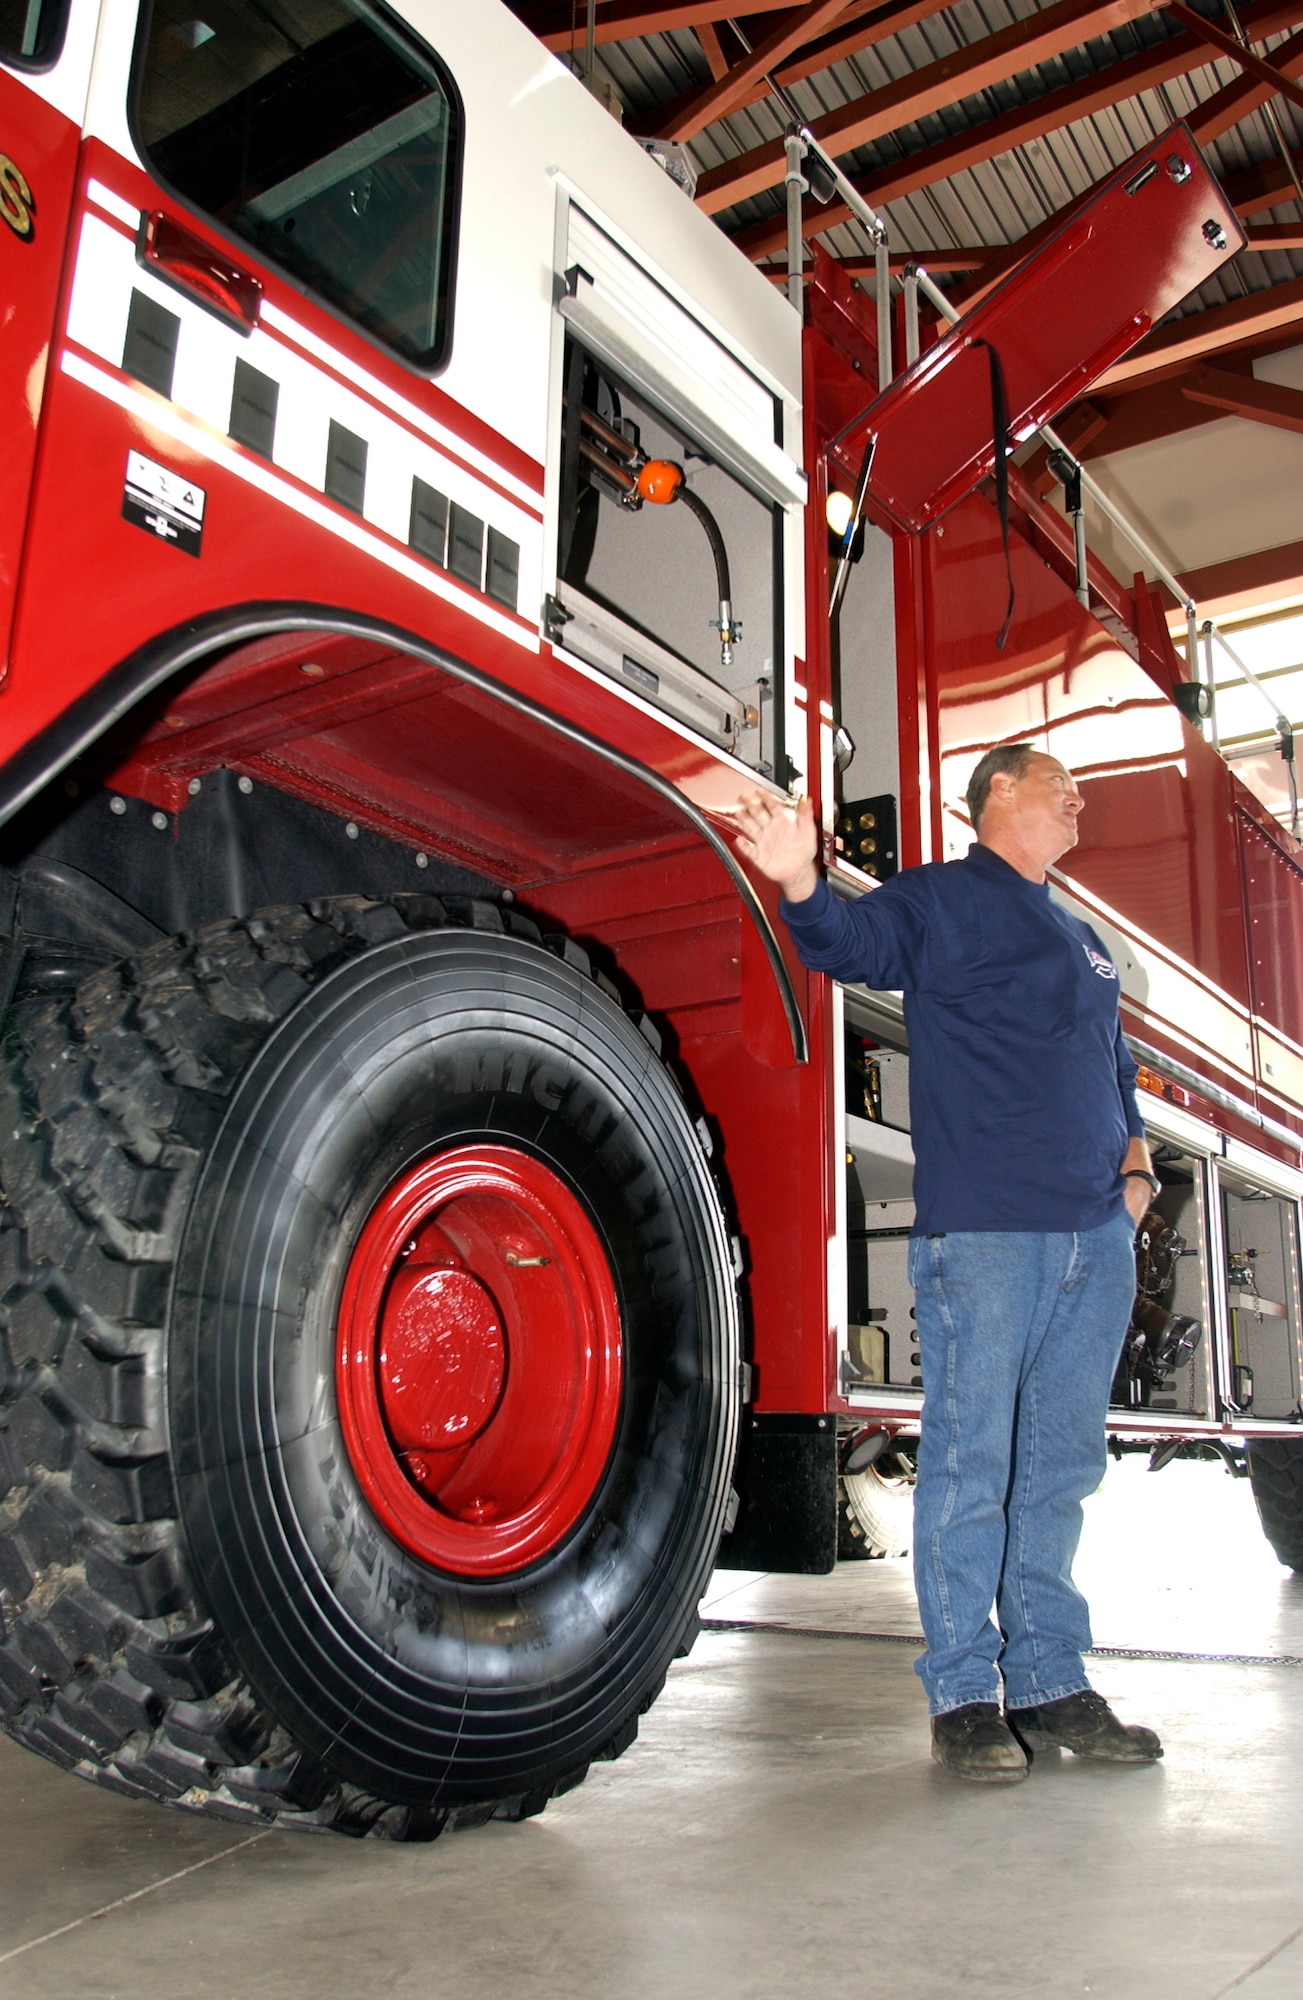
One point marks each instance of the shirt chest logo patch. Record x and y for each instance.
(1103, 967)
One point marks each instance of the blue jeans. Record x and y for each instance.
(1019, 1335)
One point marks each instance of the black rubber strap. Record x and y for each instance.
(1000, 434)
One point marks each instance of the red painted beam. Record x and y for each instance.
(1275, 236)
(1263, 186)
(961, 73)
(713, 50)
(859, 27)
(728, 92)
(1243, 582)
(1227, 45)
(1246, 95)
(1244, 396)
(626, 20)
(1025, 122)
(1172, 348)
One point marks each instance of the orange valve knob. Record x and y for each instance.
(659, 481)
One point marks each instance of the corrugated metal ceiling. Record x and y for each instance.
(999, 200)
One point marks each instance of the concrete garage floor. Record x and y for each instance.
(778, 1830)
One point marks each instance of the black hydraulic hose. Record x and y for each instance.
(729, 630)
(698, 506)
(603, 446)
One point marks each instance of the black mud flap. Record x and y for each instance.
(786, 1481)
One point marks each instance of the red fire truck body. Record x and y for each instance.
(384, 1304)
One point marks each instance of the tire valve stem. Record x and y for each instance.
(522, 1263)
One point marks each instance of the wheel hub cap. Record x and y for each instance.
(442, 1361)
(479, 1361)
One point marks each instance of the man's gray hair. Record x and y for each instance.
(1011, 757)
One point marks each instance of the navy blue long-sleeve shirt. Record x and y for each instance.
(1021, 1088)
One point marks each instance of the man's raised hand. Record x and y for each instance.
(782, 841)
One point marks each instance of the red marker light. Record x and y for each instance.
(193, 266)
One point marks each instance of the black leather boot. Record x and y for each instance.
(1085, 1724)
(975, 1742)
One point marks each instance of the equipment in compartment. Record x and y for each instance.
(863, 1078)
(654, 538)
(881, 1338)
(615, 465)
(877, 1081)
(866, 835)
(868, 1349)
(1165, 1364)
(881, 1345)
(1158, 1341)
(1262, 1301)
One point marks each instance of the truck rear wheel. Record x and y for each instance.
(1276, 1474)
(371, 1386)
(876, 1509)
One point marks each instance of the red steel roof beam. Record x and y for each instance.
(1243, 396)
(961, 73)
(1025, 122)
(1264, 186)
(728, 92)
(1246, 95)
(1171, 348)
(713, 50)
(626, 20)
(1228, 46)
(860, 27)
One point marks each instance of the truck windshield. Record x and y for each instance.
(319, 132)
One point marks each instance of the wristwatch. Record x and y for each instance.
(1141, 1174)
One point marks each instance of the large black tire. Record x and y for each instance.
(1276, 1473)
(199, 1604)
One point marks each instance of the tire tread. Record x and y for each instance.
(1276, 1474)
(108, 1666)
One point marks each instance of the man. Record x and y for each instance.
(1031, 1173)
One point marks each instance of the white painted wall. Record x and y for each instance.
(1228, 489)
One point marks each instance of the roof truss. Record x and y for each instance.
(991, 137)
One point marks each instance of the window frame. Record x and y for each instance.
(251, 252)
(776, 769)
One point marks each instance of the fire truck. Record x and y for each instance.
(441, 1218)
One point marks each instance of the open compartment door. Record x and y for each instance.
(1142, 241)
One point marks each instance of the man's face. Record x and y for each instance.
(1042, 805)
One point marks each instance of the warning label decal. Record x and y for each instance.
(163, 503)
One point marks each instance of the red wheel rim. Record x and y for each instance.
(479, 1360)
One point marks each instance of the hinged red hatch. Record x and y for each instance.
(1135, 247)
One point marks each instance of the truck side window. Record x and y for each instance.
(31, 32)
(323, 134)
